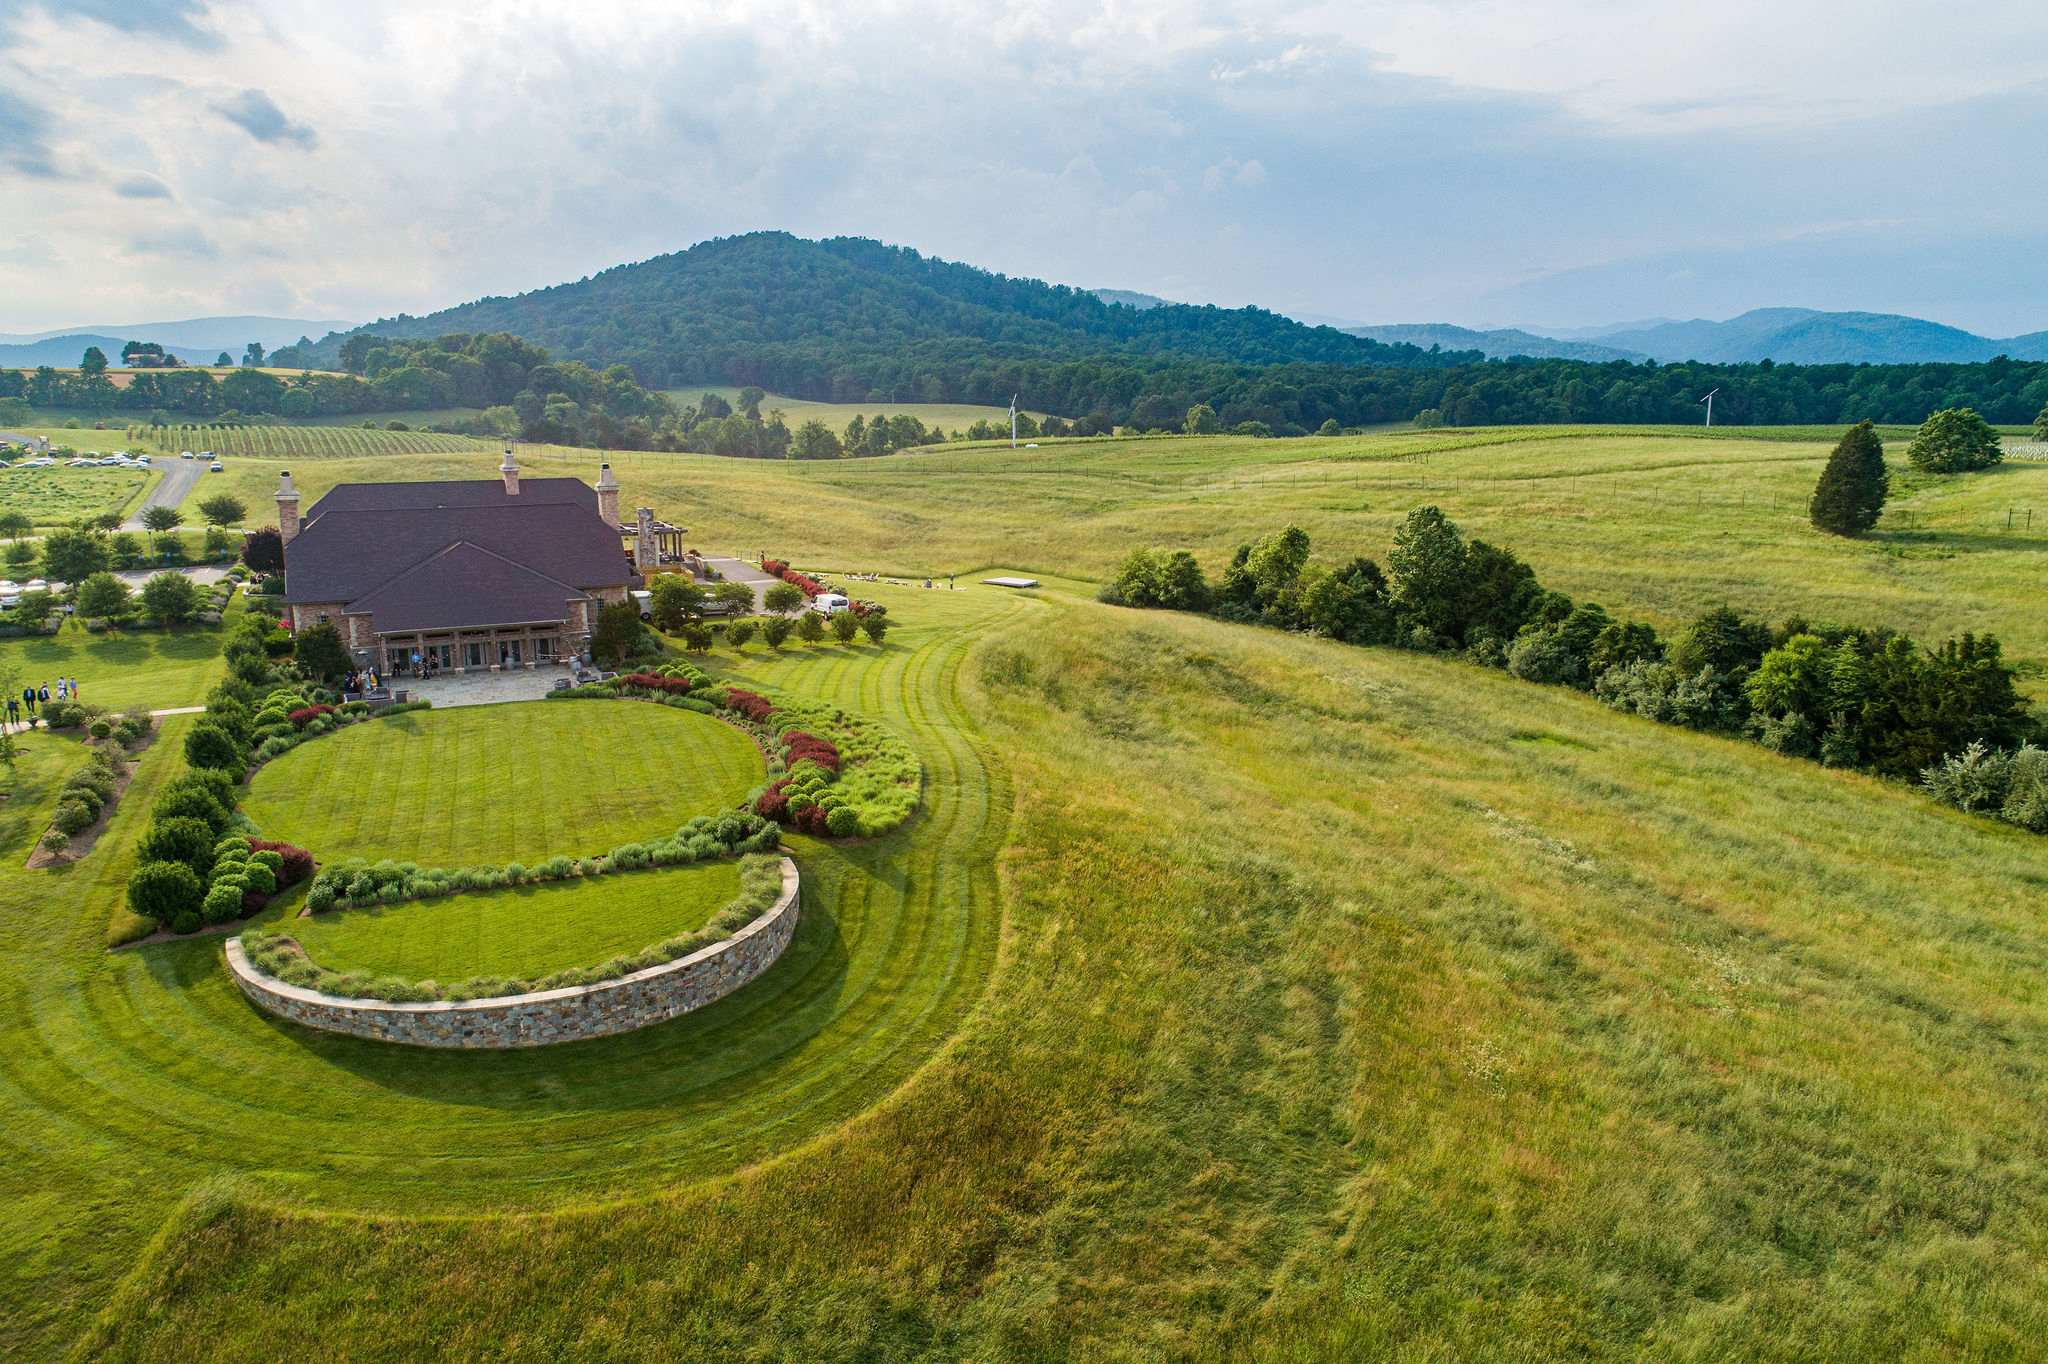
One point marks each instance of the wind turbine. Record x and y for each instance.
(1709, 401)
(1013, 421)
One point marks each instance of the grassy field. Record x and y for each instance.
(1235, 995)
(497, 783)
(796, 411)
(289, 443)
(55, 497)
(528, 932)
(160, 669)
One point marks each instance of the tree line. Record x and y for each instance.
(1848, 695)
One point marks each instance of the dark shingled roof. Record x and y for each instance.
(465, 586)
(469, 492)
(346, 555)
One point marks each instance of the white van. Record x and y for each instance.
(830, 604)
(645, 602)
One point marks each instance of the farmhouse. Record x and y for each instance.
(473, 574)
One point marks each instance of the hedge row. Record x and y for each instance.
(282, 958)
(357, 882)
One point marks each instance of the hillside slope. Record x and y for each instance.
(829, 320)
(1802, 336)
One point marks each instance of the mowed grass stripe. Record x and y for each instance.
(493, 784)
(188, 1079)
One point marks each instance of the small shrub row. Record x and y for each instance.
(247, 872)
(2012, 786)
(358, 882)
(282, 958)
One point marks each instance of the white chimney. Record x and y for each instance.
(511, 472)
(607, 496)
(287, 508)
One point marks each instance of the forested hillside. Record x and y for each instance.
(851, 320)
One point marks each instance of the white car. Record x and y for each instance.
(215, 467)
(35, 585)
(830, 604)
(184, 454)
(142, 459)
(114, 462)
(39, 462)
(10, 593)
(81, 463)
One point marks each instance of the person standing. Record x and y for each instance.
(28, 698)
(13, 712)
(43, 695)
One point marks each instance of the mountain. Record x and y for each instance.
(1498, 345)
(1129, 299)
(196, 340)
(853, 320)
(1804, 336)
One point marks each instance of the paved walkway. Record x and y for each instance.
(179, 476)
(482, 688)
(740, 571)
(203, 574)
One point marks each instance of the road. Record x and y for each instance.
(740, 571)
(179, 476)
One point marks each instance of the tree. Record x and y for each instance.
(74, 554)
(161, 520)
(1850, 495)
(775, 630)
(223, 361)
(750, 402)
(2041, 427)
(677, 600)
(223, 509)
(93, 363)
(1955, 440)
(170, 597)
(739, 632)
(253, 356)
(14, 524)
(263, 550)
(815, 440)
(163, 891)
(1429, 573)
(107, 521)
(697, 636)
(102, 594)
(177, 838)
(1202, 420)
(210, 743)
(618, 630)
(22, 556)
(845, 625)
(35, 608)
(876, 625)
(321, 653)
(736, 598)
(783, 598)
(810, 627)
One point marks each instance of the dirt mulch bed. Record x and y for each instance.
(82, 842)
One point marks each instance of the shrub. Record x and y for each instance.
(210, 745)
(319, 898)
(86, 796)
(843, 822)
(94, 777)
(100, 728)
(178, 838)
(73, 817)
(129, 731)
(775, 630)
(190, 801)
(810, 627)
(259, 878)
(222, 903)
(64, 715)
(305, 715)
(292, 866)
(56, 842)
(845, 625)
(876, 625)
(188, 921)
(164, 890)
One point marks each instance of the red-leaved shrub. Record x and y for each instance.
(754, 707)
(812, 821)
(810, 586)
(773, 804)
(675, 686)
(306, 715)
(298, 863)
(800, 745)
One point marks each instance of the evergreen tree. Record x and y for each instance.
(1850, 495)
(2041, 427)
(1953, 441)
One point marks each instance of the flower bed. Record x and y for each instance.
(281, 957)
(357, 882)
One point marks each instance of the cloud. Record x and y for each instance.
(141, 185)
(258, 115)
(186, 243)
(177, 20)
(23, 138)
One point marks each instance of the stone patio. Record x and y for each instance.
(482, 688)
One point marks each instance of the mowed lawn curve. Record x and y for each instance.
(493, 784)
(521, 931)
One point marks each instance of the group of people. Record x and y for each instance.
(33, 699)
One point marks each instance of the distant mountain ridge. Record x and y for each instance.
(1499, 344)
(1807, 336)
(195, 340)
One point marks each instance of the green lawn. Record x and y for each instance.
(53, 497)
(528, 932)
(1235, 995)
(497, 783)
(159, 669)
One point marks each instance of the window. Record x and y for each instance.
(544, 647)
(472, 655)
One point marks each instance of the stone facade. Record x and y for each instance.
(567, 1015)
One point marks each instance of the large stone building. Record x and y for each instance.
(503, 573)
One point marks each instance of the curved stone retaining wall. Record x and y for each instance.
(565, 1015)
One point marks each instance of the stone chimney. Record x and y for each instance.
(646, 550)
(608, 496)
(287, 508)
(511, 472)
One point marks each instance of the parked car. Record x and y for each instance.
(10, 594)
(215, 467)
(142, 459)
(39, 462)
(831, 604)
(184, 454)
(645, 601)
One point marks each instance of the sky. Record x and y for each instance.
(1562, 163)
